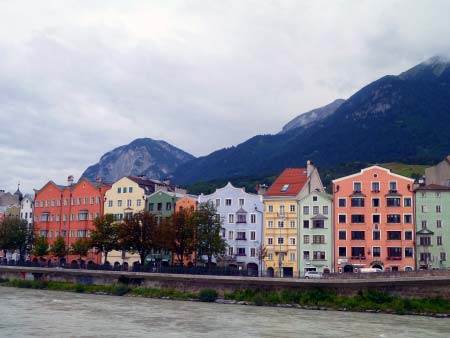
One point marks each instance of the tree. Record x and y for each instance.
(58, 248)
(16, 234)
(40, 247)
(209, 228)
(178, 234)
(80, 247)
(105, 235)
(139, 233)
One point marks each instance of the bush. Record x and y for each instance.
(258, 300)
(80, 288)
(208, 295)
(119, 290)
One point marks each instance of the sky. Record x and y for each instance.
(79, 78)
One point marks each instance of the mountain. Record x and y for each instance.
(313, 116)
(144, 156)
(395, 118)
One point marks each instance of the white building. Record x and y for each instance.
(26, 209)
(242, 217)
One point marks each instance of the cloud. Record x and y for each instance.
(78, 79)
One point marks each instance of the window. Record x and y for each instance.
(151, 206)
(119, 190)
(342, 202)
(408, 235)
(375, 218)
(241, 202)
(394, 252)
(306, 210)
(342, 235)
(292, 208)
(168, 206)
(92, 200)
(66, 202)
(315, 210)
(82, 216)
(318, 239)
(292, 256)
(81, 233)
(217, 202)
(270, 224)
(130, 189)
(281, 224)
(270, 256)
(228, 201)
(253, 218)
(292, 224)
(394, 235)
(86, 200)
(285, 188)
(270, 208)
(230, 250)
(407, 202)
(358, 219)
(438, 223)
(280, 240)
(425, 240)
(424, 208)
(305, 239)
(393, 186)
(357, 186)
(306, 224)
(375, 202)
(318, 224)
(240, 235)
(424, 224)
(357, 252)
(393, 201)
(230, 234)
(74, 201)
(252, 252)
(342, 219)
(342, 251)
(376, 235)
(110, 204)
(138, 202)
(438, 208)
(253, 235)
(128, 203)
(119, 203)
(292, 241)
(270, 241)
(407, 219)
(325, 210)
(314, 198)
(439, 240)
(231, 218)
(393, 218)
(376, 251)
(65, 217)
(358, 235)
(124, 190)
(45, 217)
(357, 202)
(305, 254)
(98, 200)
(425, 257)
(80, 201)
(319, 255)
(375, 186)
(281, 209)
(443, 256)
(159, 206)
(53, 203)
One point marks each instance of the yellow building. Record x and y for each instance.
(281, 219)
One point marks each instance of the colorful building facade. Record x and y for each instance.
(432, 227)
(374, 221)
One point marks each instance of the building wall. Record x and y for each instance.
(188, 204)
(439, 174)
(434, 255)
(343, 188)
(317, 206)
(26, 209)
(243, 251)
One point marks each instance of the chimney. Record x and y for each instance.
(261, 189)
(309, 167)
(98, 179)
(70, 180)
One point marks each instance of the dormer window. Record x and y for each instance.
(285, 188)
(356, 186)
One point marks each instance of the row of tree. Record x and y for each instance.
(184, 234)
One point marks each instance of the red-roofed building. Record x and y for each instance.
(281, 218)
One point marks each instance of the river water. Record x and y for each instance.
(37, 313)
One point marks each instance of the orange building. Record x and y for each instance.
(69, 212)
(374, 221)
(188, 203)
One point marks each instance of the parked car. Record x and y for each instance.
(313, 275)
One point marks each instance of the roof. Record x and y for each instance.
(149, 185)
(73, 186)
(291, 179)
(434, 187)
(388, 171)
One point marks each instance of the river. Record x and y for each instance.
(39, 313)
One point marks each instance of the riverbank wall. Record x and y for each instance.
(413, 285)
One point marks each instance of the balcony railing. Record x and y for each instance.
(241, 238)
(358, 257)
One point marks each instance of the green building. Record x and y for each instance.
(432, 226)
(162, 204)
(315, 241)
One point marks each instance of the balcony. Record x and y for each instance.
(241, 254)
(241, 238)
(358, 257)
(240, 221)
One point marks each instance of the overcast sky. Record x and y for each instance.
(78, 78)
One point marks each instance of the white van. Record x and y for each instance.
(370, 270)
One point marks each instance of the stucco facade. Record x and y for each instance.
(432, 227)
(26, 209)
(439, 174)
(374, 221)
(242, 216)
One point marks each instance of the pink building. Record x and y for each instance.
(374, 221)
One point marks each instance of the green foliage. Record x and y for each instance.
(80, 247)
(58, 248)
(163, 293)
(40, 247)
(105, 235)
(207, 295)
(16, 234)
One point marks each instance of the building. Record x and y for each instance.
(432, 203)
(315, 233)
(439, 174)
(374, 221)
(69, 211)
(26, 209)
(188, 203)
(281, 217)
(242, 217)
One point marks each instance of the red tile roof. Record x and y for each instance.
(295, 177)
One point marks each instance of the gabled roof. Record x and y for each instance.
(434, 187)
(289, 183)
(425, 232)
(370, 168)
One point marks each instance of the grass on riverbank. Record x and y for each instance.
(364, 300)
